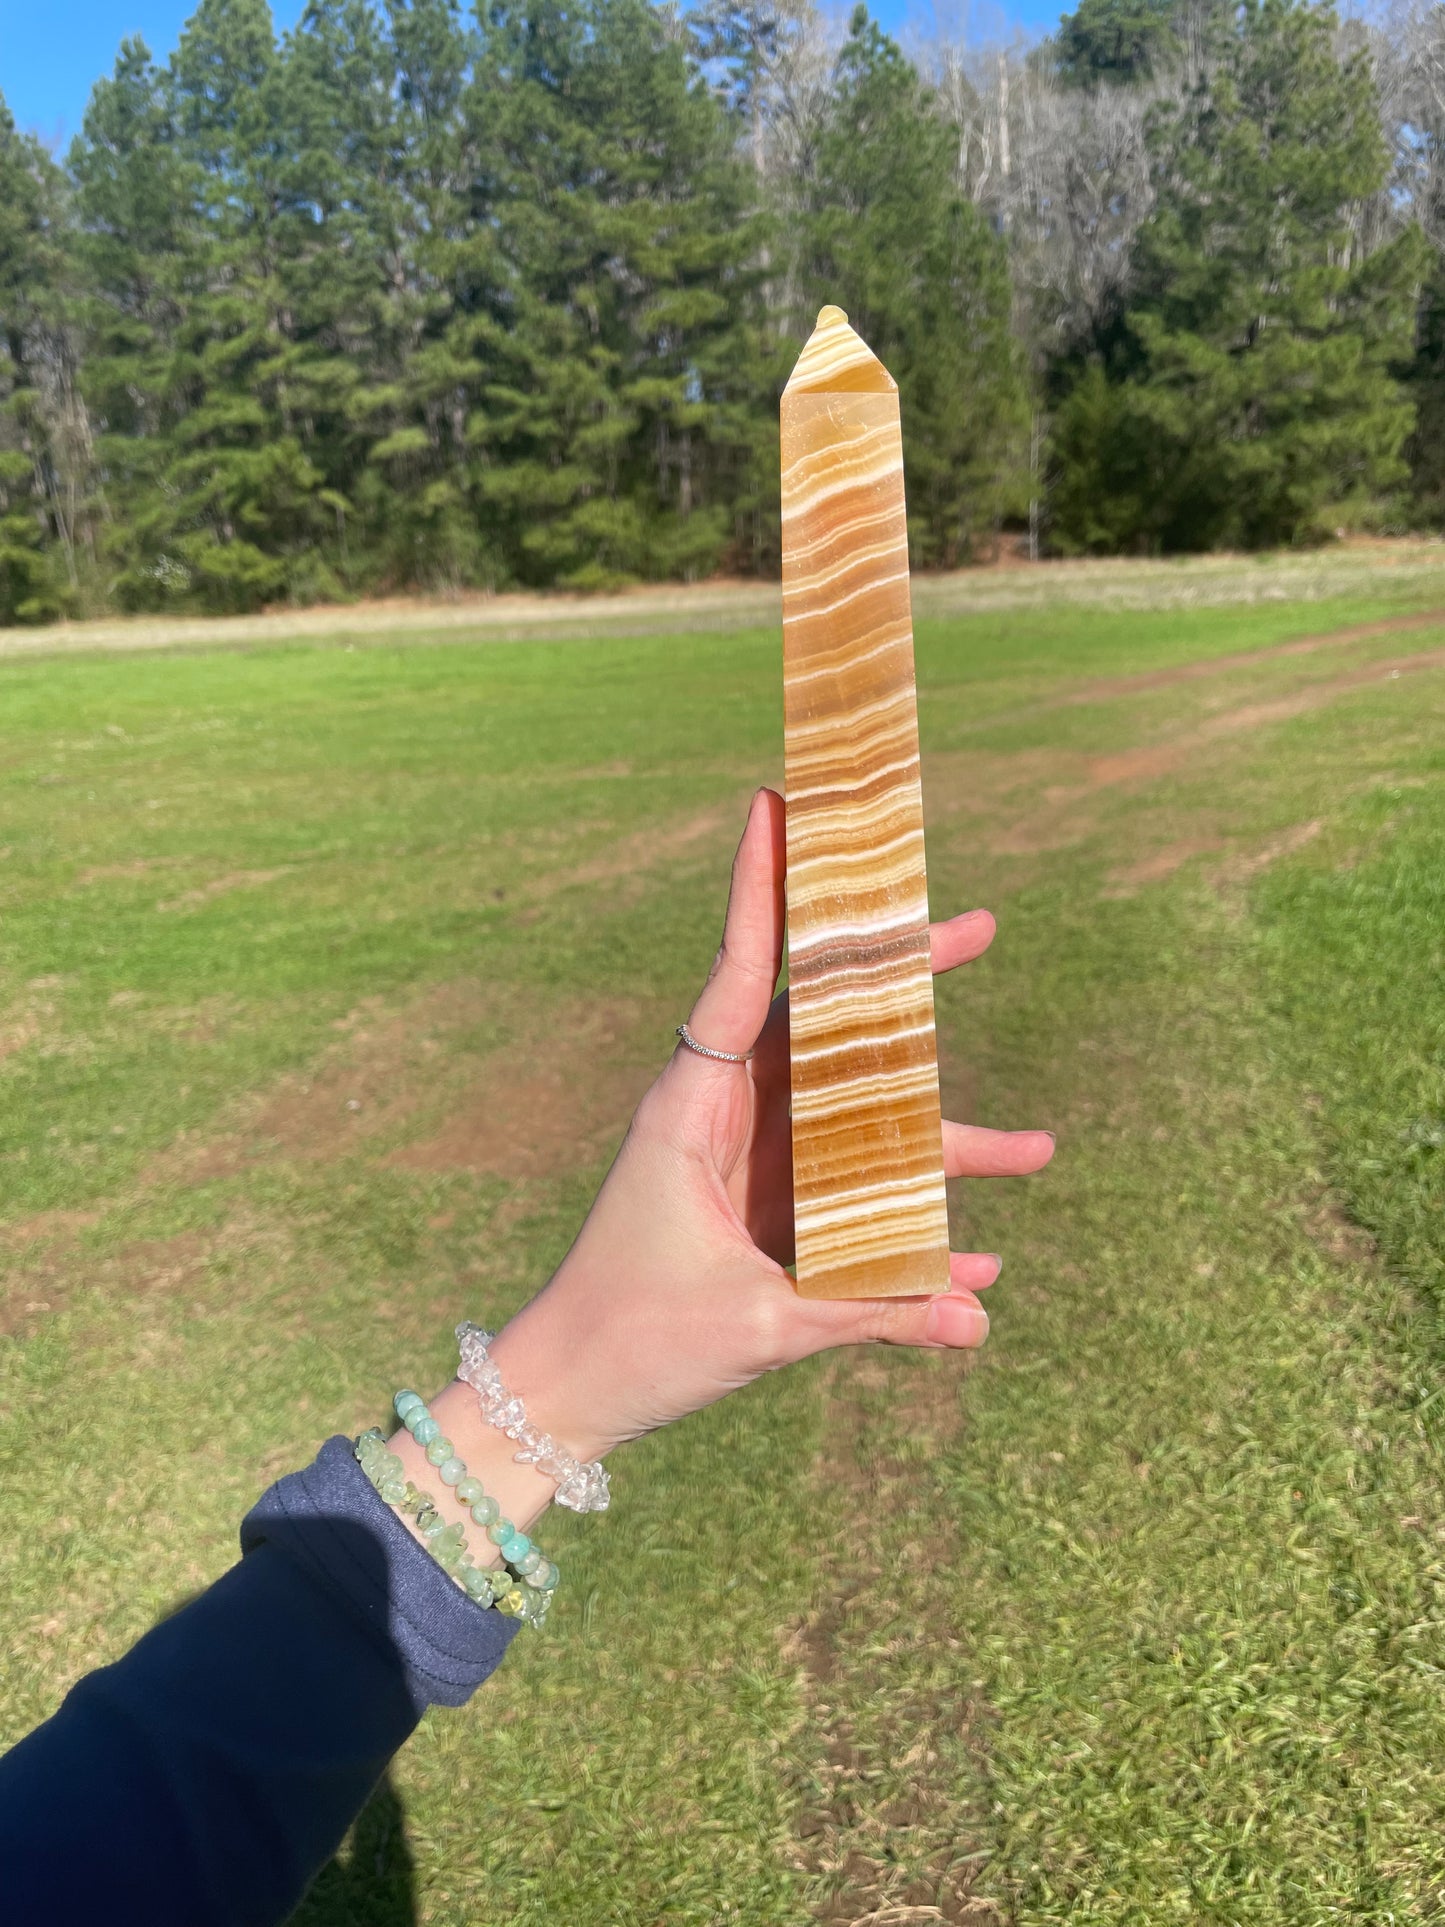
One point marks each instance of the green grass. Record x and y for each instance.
(1141, 1621)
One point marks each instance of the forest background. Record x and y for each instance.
(413, 298)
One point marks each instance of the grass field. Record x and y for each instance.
(1140, 1621)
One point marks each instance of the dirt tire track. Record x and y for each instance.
(1062, 813)
(1151, 760)
(1119, 688)
(850, 1835)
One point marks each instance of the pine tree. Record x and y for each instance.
(416, 486)
(138, 257)
(1425, 385)
(182, 215)
(244, 499)
(618, 343)
(1123, 41)
(344, 267)
(44, 435)
(1251, 398)
(924, 279)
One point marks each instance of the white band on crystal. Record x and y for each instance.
(582, 1488)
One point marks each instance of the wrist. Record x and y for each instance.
(544, 1364)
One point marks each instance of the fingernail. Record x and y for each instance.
(952, 1321)
(997, 1261)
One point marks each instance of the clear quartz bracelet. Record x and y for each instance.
(581, 1487)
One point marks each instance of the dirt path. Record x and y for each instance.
(1118, 688)
(1152, 760)
(880, 1829)
(503, 618)
(1032, 801)
(724, 604)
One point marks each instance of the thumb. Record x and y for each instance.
(734, 1002)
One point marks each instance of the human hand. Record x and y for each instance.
(674, 1291)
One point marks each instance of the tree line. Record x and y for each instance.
(415, 298)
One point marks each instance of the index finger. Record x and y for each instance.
(960, 939)
(956, 941)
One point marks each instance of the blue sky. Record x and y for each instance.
(52, 51)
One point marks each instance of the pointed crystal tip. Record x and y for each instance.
(836, 360)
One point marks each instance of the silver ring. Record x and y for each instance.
(704, 1050)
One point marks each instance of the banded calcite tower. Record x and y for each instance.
(871, 1214)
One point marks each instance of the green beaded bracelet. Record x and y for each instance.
(523, 1588)
(488, 1586)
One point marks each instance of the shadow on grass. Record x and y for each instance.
(372, 1886)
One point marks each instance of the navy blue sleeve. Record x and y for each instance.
(208, 1775)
